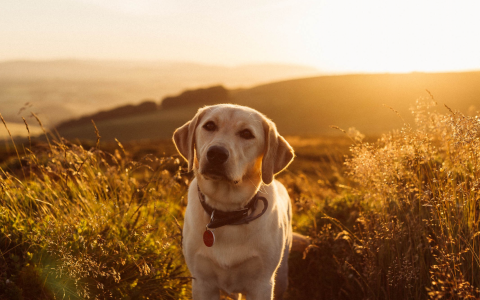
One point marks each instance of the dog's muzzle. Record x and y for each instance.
(217, 156)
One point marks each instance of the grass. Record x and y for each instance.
(86, 224)
(407, 224)
(395, 217)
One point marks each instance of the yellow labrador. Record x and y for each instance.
(237, 232)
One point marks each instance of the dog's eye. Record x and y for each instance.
(246, 134)
(210, 126)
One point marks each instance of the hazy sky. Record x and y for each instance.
(332, 35)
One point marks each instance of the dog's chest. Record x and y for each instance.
(231, 267)
(233, 245)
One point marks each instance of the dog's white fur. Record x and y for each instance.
(250, 259)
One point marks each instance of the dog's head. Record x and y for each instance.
(234, 145)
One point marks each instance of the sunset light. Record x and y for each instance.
(333, 36)
(240, 149)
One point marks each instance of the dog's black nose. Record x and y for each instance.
(217, 155)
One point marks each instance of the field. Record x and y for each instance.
(389, 217)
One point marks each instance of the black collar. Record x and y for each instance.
(219, 218)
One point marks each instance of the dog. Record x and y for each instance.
(237, 232)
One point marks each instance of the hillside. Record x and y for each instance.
(60, 90)
(115, 113)
(309, 106)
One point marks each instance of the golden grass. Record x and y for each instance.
(397, 218)
(86, 224)
(406, 225)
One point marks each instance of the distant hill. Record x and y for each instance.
(308, 106)
(115, 113)
(60, 90)
(18, 130)
(199, 97)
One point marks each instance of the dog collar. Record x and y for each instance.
(219, 218)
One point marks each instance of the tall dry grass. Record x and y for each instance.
(425, 183)
(407, 224)
(397, 218)
(86, 224)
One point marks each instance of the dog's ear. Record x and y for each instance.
(278, 153)
(184, 138)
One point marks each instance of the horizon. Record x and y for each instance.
(246, 64)
(335, 37)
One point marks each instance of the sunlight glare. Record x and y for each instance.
(386, 36)
(338, 36)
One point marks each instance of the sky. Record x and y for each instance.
(335, 36)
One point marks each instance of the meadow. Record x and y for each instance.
(389, 217)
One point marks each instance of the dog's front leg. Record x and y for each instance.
(203, 290)
(261, 291)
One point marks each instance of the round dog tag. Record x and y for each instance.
(208, 238)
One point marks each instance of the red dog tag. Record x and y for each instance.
(208, 238)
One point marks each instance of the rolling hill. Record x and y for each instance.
(309, 106)
(59, 90)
